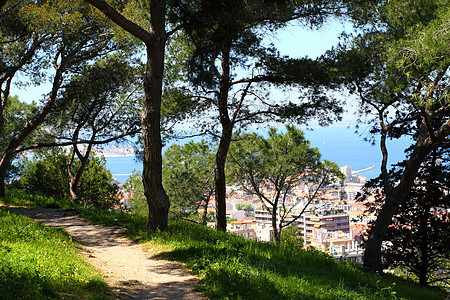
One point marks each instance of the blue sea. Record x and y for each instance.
(336, 143)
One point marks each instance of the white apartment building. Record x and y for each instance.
(333, 220)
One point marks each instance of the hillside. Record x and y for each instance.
(231, 267)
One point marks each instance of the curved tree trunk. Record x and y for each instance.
(372, 253)
(74, 190)
(396, 195)
(74, 184)
(224, 144)
(30, 126)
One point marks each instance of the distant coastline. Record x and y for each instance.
(336, 143)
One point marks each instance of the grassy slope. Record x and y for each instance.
(234, 268)
(38, 262)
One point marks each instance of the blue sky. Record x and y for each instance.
(294, 40)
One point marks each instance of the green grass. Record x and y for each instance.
(19, 198)
(231, 267)
(38, 262)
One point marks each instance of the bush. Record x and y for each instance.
(47, 175)
(135, 189)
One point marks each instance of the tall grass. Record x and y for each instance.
(231, 267)
(37, 262)
(234, 268)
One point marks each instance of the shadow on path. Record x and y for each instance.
(132, 273)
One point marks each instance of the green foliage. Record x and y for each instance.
(38, 262)
(15, 114)
(102, 101)
(135, 190)
(280, 161)
(398, 66)
(246, 207)
(18, 197)
(402, 63)
(188, 176)
(417, 241)
(231, 267)
(291, 236)
(48, 176)
(98, 188)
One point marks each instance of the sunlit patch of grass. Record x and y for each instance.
(235, 268)
(19, 198)
(37, 262)
(231, 267)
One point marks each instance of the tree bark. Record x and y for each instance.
(220, 180)
(74, 189)
(157, 199)
(396, 195)
(224, 144)
(276, 231)
(74, 184)
(372, 253)
(154, 40)
(424, 250)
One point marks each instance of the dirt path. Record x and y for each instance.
(131, 272)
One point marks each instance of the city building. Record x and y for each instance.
(331, 220)
(244, 228)
(342, 245)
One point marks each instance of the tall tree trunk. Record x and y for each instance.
(224, 144)
(276, 231)
(219, 177)
(396, 195)
(2, 183)
(372, 253)
(154, 39)
(424, 244)
(157, 199)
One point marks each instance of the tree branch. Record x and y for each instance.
(70, 143)
(123, 22)
(2, 3)
(311, 198)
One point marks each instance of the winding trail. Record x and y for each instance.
(128, 269)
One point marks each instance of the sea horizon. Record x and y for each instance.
(339, 144)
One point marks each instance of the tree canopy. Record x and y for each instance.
(417, 239)
(231, 65)
(398, 68)
(46, 41)
(188, 173)
(270, 168)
